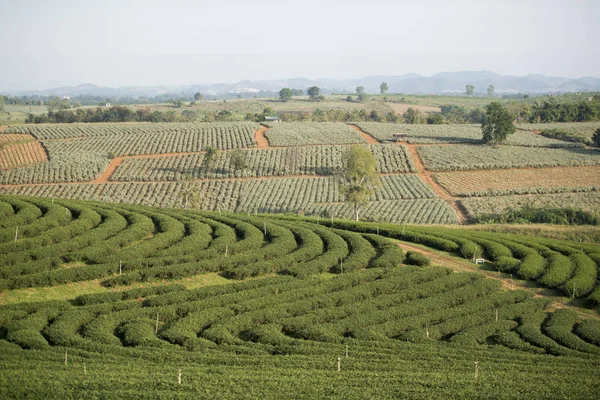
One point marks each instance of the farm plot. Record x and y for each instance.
(454, 133)
(294, 195)
(16, 154)
(471, 157)
(163, 142)
(588, 201)
(317, 160)
(578, 130)
(547, 180)
(188, 129)
(77, 167)
(309, 133)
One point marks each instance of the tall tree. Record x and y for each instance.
(209, 158)
(490, 90)
(498, 124)
(596, 138)
(359, 177)
(313, 93)
(412, 116)
(470, 89)
(198, 96)
(360, 90)
(285, 94)
(190, 194)
(383, 88)
(238, 161)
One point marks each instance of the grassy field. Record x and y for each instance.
(331, 307)
(529, 181)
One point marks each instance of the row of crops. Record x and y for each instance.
(407, 198)
(469, 157)
(583, 130)
(455, 134)
(389, 328)
(318, 160)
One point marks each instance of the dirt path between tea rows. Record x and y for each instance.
(261, 140)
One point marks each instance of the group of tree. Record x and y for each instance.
(553, 110)
(125, 114)
(470, 90)
(327, 115)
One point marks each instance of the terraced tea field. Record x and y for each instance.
(331, 309)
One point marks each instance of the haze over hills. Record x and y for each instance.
(440, 83)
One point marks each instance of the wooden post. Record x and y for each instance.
(265, 227)
(476, 369)
(179, 377)
(17, 233)
(573, 290)
(156, 330)
(225, 250)
(66, 356)
(84, 370)
(339, 364)
(342, 266)
(427, 330)
(331, 219)
(511, 281)
(378, 229)
(120, 267)
(496, 315)
(346, 351)
(276, 291)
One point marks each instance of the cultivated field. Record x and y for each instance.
(455, 133)
(523, 181)
(17, 150)
(469, 157)
(357, 315)
(282, 195)
(318, 160)
(310, 133)
(583, 130)
(588, 201)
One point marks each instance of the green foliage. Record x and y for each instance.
(596, 138)
(285, 94)
(383, 87)
(469, 90)
(416, 258)
(528, 214)
(313, 93)
(498, 124)
(359, 177)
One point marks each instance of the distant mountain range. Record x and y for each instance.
(441, 83)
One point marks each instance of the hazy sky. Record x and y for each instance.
(147, 42)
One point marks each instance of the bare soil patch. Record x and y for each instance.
(261, 140)
(370, 139)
